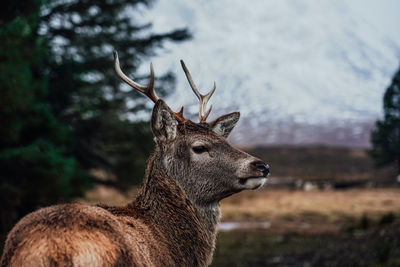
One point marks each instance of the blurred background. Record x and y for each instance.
(317, 84)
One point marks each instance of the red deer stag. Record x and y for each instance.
(172, 222)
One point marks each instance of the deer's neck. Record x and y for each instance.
(190, 230)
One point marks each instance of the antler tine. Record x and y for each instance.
(147, 90)
(202, 98)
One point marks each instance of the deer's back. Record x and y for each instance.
(83, 235)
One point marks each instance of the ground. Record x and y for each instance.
(290, 211)
(311, 212)
(354, 227)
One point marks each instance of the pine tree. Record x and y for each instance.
(63, 111)
(85, 91)
(36, 168)
(385, 137)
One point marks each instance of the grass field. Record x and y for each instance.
(311, 212)
(375, 246)
(291, 211)
(355, 227)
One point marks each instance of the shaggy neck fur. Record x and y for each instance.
(190, 230)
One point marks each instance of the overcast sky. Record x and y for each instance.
(384, 14)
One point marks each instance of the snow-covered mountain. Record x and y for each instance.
(300, 72)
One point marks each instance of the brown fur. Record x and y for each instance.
(173, 221)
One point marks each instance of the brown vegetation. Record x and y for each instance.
(296, 211)
(321, 163)
(311, 212)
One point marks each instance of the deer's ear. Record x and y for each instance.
(224, 124)
(163, 122)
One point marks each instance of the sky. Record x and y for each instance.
(383, 14)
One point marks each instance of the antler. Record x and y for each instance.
(147, 90)
(202, 98)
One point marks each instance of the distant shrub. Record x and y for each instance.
(387, 218)
(365, 222)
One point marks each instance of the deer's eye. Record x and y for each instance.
(199, 149)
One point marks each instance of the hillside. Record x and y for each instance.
(300, 72)
(321, 163)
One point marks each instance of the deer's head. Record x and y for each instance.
(197, 155)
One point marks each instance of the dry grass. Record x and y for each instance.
(311, 212)
(332, 205)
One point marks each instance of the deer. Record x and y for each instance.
(174, 219)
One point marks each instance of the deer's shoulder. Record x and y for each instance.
(81, 234)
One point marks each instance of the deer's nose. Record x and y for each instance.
(262, 167)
